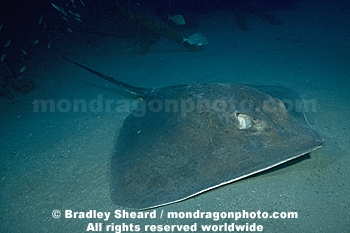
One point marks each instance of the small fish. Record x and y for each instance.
(70, 30)
(23, 68)
(49, 45)
(70, 12)
(177, 19)
(82, 3)
(60, 9)
(64, 12)
(7, 44)
(78, 19)
(72, 1)
(3, 57)
(57, 7)
(77, 15)
(44, 24)
(36, 41)
(1, 26)
(64, 18)
(24, 52)
(196, 39)
(41, 18)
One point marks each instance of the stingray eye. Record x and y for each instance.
(245, 121)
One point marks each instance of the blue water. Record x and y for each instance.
(58, 158)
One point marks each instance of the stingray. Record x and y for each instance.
(184, 140)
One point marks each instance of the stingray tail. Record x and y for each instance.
(138, 92)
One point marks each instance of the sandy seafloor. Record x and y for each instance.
(60, 160)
